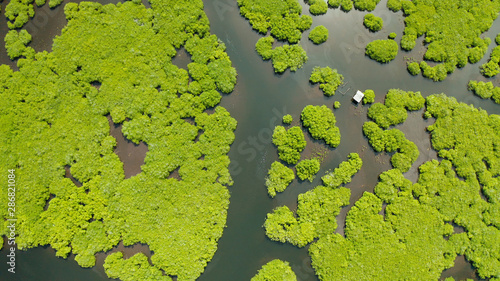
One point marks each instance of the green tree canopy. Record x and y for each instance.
(320, 121)
(278, 178)
(319, 34)
(382, 51)
(275, 270)
(289, 142)
(452, 32)
(64, 121)
(373, 23)
(307, 169)
(328, 78)
(316, 209)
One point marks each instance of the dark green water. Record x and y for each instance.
(259, 101)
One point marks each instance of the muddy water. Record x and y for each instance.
(259, 101)
(132, 155)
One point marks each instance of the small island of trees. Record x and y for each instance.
(319, 34)
(373, 23)
(275, 270)
(382, 51)
(289, 142)
(485, 90)
(278, 178)
(320, 121)
(328, 78)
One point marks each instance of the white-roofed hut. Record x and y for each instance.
(358, 97)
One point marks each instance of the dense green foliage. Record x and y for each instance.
(485, 90)
(373, 23)
(382, 51)
(347, 5)
(18, 12)
(390, 183)
(492, 67)
(136, 267)
(369, 97)
(365, 5)
(436, 73)
(15, 43)
(278, 178)
(416, 224)
(336, 105)
(392, 35)
(319, 34)
(452, 31)
(52, 116)
(317, 7)
(394, 5)
(275, 270)
(283, 57)
(396, 103)
(282, 18)
(414, 68)
(287, 119)
(468, 138)
(320, 121)
(55, 3)
(308, 168)
(375, 247)
(393, 140)
(328, 78)
(289, 142)
(393, 112)
(316, 210)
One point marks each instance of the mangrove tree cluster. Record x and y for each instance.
(116, 60)
(369, 96)
(317, 7)
(319, 34)
(284, 22)
(278, 178)
(320, 121)
(382, 51)
(287, 119)
(275, 270)
(492, 67)
(485, 90)
(283, 57)
(289, 142)
(308, 168)
(347, 5)
(329, 79)
(452, 31)
(393, 112)
(416, 225)
(316, 210)
(373, 23)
